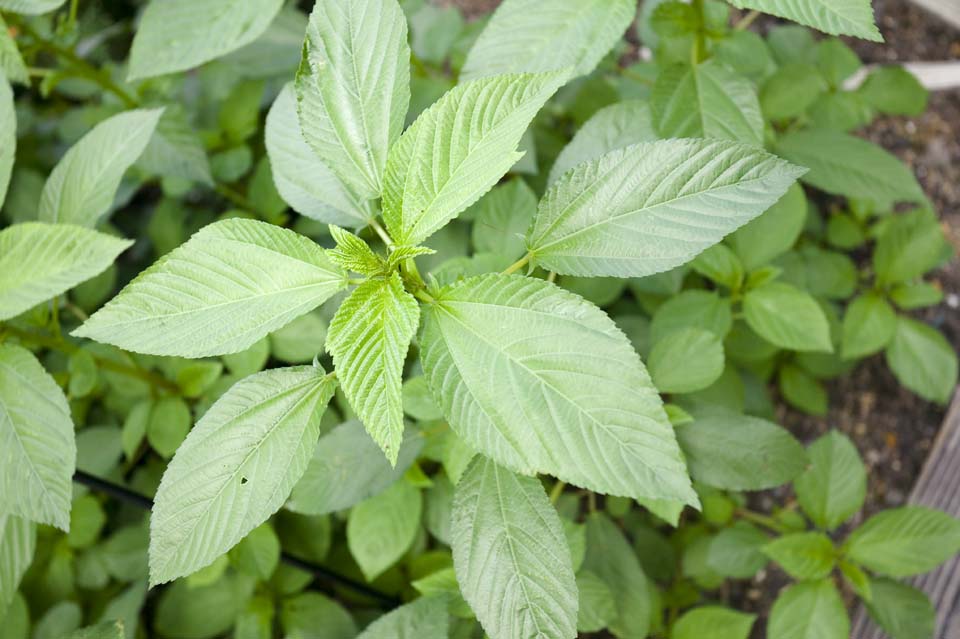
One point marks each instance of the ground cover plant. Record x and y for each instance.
(360, 319)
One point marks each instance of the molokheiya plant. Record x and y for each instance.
(448, 401)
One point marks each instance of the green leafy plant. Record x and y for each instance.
(507, 372)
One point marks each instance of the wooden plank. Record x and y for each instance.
(949, 10)
(938, 487)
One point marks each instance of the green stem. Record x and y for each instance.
(762, 520)
(557, 491)
(381, 232)
(55, 317)
(519, 264)
(746, 21)
(69, 348)
(234, 197)
(700, 43)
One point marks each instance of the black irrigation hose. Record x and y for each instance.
(319, 572)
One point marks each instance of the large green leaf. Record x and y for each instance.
(611, 557)
(353, 87)
(542, 381)
(833, 487)
(845, 165)
(457, 149)
(613, 127)
(301, 178)
(807, 555)
(11, 65)
(706, 101)
(36, 437)
(738, 452)
(369, 337)
(650, 207)
(82, 186)
(176, 35)
(231, 284)
(532, 36)
(236, 468)
(836, 17)
(176, 150)
(787, 317)
(909, 245)
(8, 133)
(904, 541)
(868, 325)
(18, 539)
(424, 618)
(30, 7)
(809, 610)
(382, 528)
(348, 467)
(713, 622)
(511, 556)
(38, 261)
(701, 354)
(904, 612)
(923, 360)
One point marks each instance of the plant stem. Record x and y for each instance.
(519, 264)
(381, 232)
(745, 22)
(55, 316)
(700, 42)
(552, 276)
(762, 520)
(69, 348)
(234, 197)
(557, 491)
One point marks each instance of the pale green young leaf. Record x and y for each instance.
(706, 100)
(845, 165)
(38, 261)
(721, 265)
(713, 622)
(868, 326)
(787, 317)
(501, 218)
(368, 338)
(347, 467)
(686, 360)
(18, 540)
(738, 452)
(235, 468)
(353, 87)
(542, 381)
(231, 284)
(612, 127)
(923, 360)
(528, 36)
(303, 180)
(382, 528)
(902, 611)
(611, 557)
(904, 541)
(425, 618)
(82, 185)
(836, 17)
(834, 486)
(8, 134)
(694, 308)
(809, 610)
(457, 149)
(808, 555)
(511, 555)
(650, 207)
(176, 35)
(37, 440)
(790, 91)
(772, 233)
(353, 254)
(30, 7)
